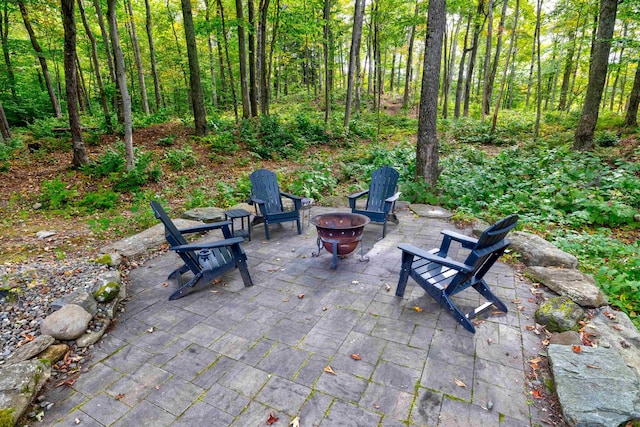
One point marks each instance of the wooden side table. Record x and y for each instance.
(241, 214)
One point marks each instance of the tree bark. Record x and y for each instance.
(105, 39)
(55, 104)
(536, 132)
(242, 54)
(472, 58)
(427, 146)
(152, 54)
(407, 78)
(212, 68)
(96, 65)
(459, 86)
(226, 51)
(4, 125)
(253, 90)
(80, 156)
(488, 88)
(327, 69)
(512, 44)
(121, 76)
(138, 59)
(356, 36)
(484, 108)
(197, 96)
(597, 74)
(263, 69)
(631, 118)
(4, 37)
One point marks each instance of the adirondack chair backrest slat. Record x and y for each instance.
(264, 186)
(490, 246)
(172, 234)
(384, 182)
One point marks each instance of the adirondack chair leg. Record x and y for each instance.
(178, 272)
(407, 260)
(484, 290)
(244, 273)
(384, 229)
(299, 228)
(462, 319)
(266, 229)
(182, 289)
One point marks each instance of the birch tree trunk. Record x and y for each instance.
(510, 52)
(472, 58)
(459, 86)
(55, 104)
(118, 59)
(242, 53)
(212, 68)
(407, 78)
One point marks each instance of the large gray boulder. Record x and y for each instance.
(535, 251)
(19, 383)
(68, 323)
(80, 297)
(594, 386)
(206, 215)
(613, 329)
(580, 287)
(559, 314)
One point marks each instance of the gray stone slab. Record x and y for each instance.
(348, 415)
(428, 211)
(146, 414)
(283, 395)
(227, 400)
(104, 409)
(175, 395)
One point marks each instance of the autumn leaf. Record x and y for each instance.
(301, 296)
(536, 394)
(272, 418)
(577, 349)
(517, 301)
(611, 316)
(594, 367)
(119, 396)
(387, 287)
(356, 356)
(150, 330)
(616, 327)
(418, 309)
(329, 370)
(376, 406)
(530, 327)
(295, 422)
(534, 363)
(459, 383)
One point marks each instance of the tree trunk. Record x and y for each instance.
(510, 53)
(327, 69)
(212, 68)
(253, 90)
(138, 59)
(80, 156)
(274, 31)
(448, 78)
(221, 62)
(536, 132)
(617, 69)
(43, 62)
(459, 86)
(242, 54)
(197, 96)
(96, 65)
(427, 146)
(263, 78)
(568, 67)
(536, 33)
(407, 78)
(597, 74)
(484, 108)
(488, 87)
(226, 51)
(356, 36)
(172, 19)
(4, 37)
(118, 59)
(393, 69)
(4, 125)
(472, 58)
(152, 54)
(106, 41)
(631, 118)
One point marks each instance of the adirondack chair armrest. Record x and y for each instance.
(208, 245)
(205, 227)
(466, 241)
(447, 262)
(393, 198)
(297, 200)
(358, 195)
(256, 201)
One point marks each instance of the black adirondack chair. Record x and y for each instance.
(206, 260)
(442, 277)
(381, 197)
(267, 197)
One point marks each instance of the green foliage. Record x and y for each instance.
(179, 159)
(311, 130)
(110, 162)
(314, 181)
(100, 200)
(196, 198)
(221, 143)
(43, 128)
(139, 175)
(55, 194)
(7, 152)
(270, 139)
(167, 141)
(606, 139)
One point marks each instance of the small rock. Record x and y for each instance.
(54, 353)
(31, 349)
(559, 314)
(68, 323)
(36, 206)
(107, 292)
(91, 337)
(566, 338)
(82, 298)
(44, 234)
(489, 405)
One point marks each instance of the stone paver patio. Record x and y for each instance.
(230, 355)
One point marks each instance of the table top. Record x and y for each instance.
(237, 213)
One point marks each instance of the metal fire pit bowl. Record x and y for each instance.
(340, 233)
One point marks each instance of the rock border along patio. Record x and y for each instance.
(233, 355)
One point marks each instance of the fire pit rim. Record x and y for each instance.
(365, 218)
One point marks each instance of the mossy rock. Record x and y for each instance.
(107, 292)
(6, 417)
(560, 314)
(104, 259)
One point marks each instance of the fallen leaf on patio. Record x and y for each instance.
(577, 349)
(611, 316)
(157, 387)
(150, 330)
(303, 256)
(489, 341)
(324, 308)
(418, 309)
(165, 284)
(329, 370)
(77, 421)
(295, 422)
(624, 344)
(546, 342)
(273, 270)
(277, 259)
(387, 287)
(517, 301)
(215, 291)
(459, 383)
(354, 282)
(272, 418)
(376, 406)
(356, 356)
(594, 367)
(301, 296)
(534, 363)
(68, 383)
(616, 327)
(536, 394)
(530, 327)
(285, 300)
(119, 396)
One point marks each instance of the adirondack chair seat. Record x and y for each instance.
(267, 198)
(442, 277)
(206, 260)
(381, 197)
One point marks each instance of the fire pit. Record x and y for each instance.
(340, 233)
